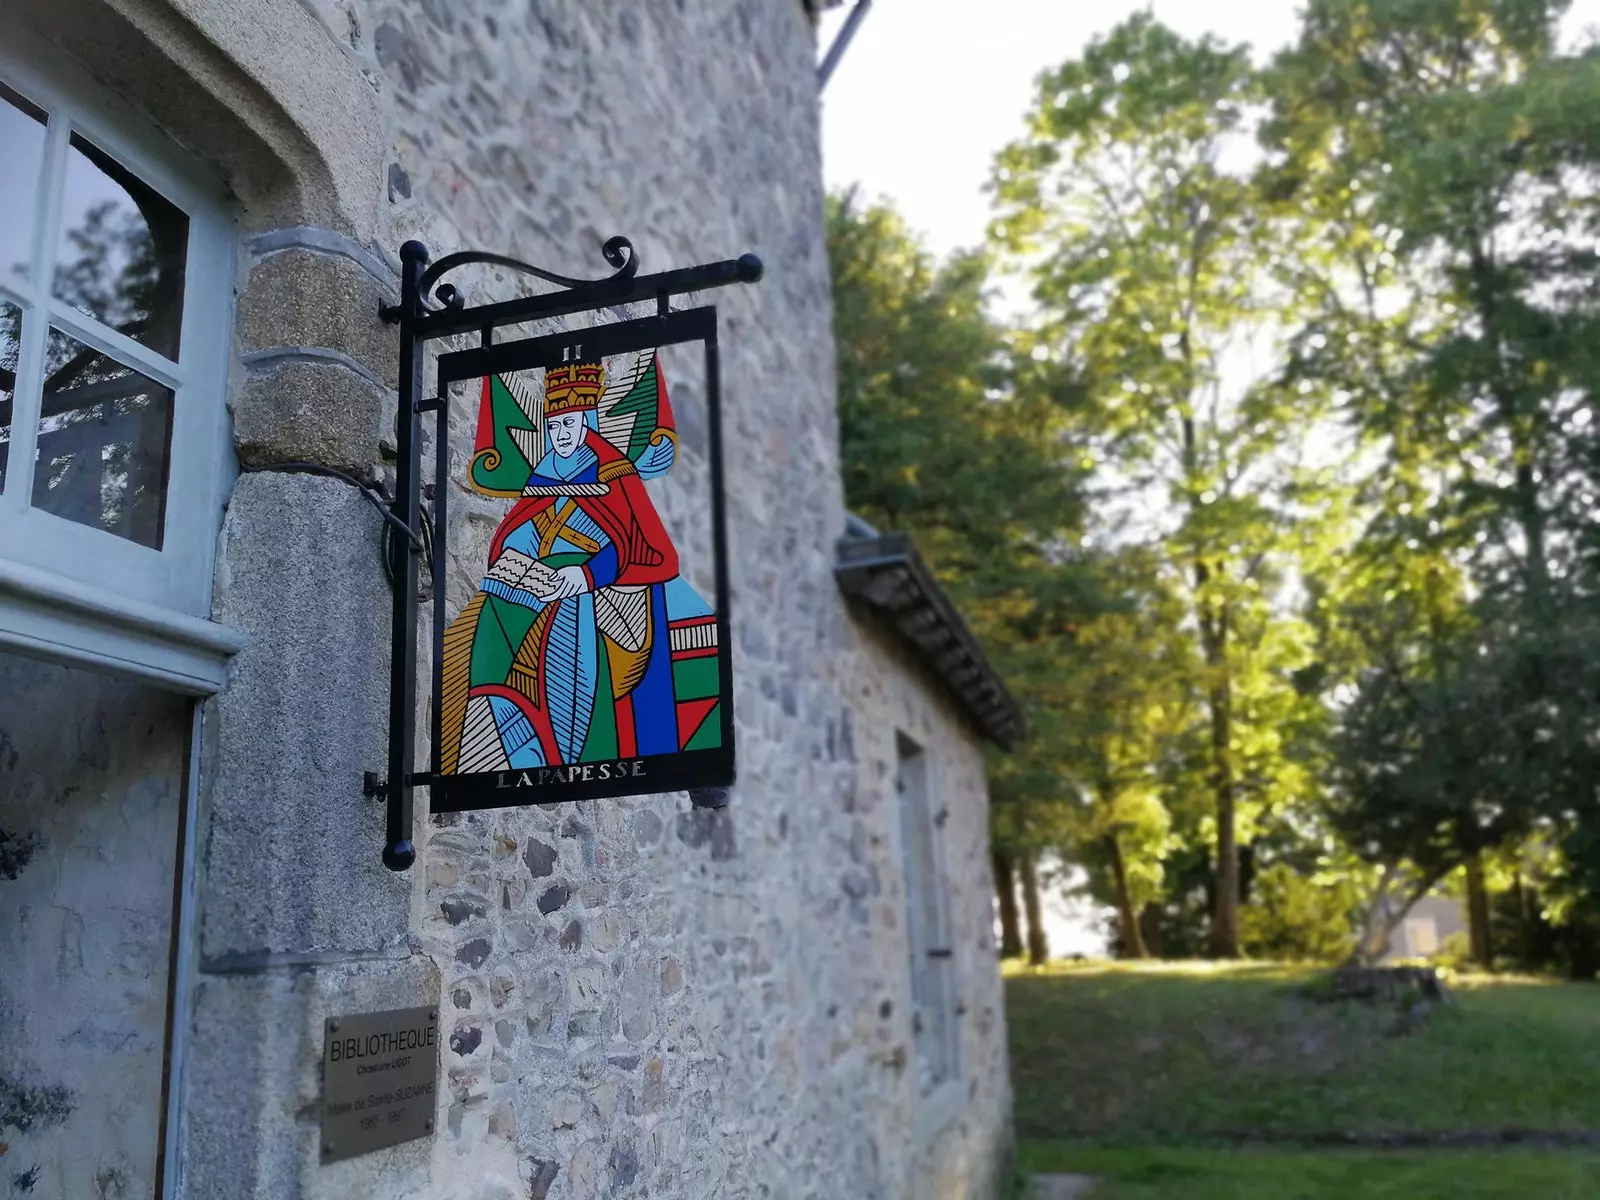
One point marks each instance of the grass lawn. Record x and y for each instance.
(1199, 1050)
(1177, 1173)
(1195, 1080)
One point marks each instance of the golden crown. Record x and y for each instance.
(573, 386)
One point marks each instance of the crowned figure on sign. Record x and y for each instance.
(583, 643)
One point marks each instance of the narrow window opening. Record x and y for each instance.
(933, 984)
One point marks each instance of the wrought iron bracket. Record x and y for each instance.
(421, 322)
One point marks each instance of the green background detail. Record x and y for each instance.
(695, 678)
(709, 735)
(501, 628)
(601, 742)
(566, 558)
(644, 398)
(512, 473)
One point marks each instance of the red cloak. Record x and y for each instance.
(645, 553)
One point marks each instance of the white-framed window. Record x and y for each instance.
(116, 289)
(935, 1005)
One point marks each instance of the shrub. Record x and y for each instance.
(1292, 918)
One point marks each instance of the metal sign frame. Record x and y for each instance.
(421, 323)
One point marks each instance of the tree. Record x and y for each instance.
(942, 437)
(934, 440)
(1459, 148)
(1148, 268)
(1302, 917)
(1119, 712)
(1038, 942)
(1442, 156)
(1005, 886)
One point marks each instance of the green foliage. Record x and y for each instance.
(1278, 508)
(1437, 160)
(934, 439)
(1443, 761)
(1293, 917)
(1148, 262)
(940, 440)
(1116, 718)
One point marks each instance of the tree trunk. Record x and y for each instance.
(1247, 871)
(1038, 946)
(1127, 920)
(1526, 502)
(1524, 925)
(1149, 920)
(1005, 884)
(1214, 622)
(1384, 914)
(1478, 914)
(1225, 918)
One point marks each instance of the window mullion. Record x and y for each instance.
(25, 411)
(29, 389)
(19, 290)
(47, 201)
(108, 341)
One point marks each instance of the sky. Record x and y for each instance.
(930, 89)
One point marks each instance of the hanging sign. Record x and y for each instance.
(592, 657)
(585, 664)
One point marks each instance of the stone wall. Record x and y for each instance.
(90, 801)
(971, 1154)
(711, 1003)
(637, 997)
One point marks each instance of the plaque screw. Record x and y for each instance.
(333, 1026)
(327, 1147)
(433, 1014)
(428, 1124)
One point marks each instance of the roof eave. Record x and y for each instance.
(886, 573)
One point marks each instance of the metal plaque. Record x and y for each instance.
(379, 1072)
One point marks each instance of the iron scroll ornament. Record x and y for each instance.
(420, 323)
(618, 251)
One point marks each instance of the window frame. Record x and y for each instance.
(933, 956)
(104, 567)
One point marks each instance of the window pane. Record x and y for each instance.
(122, 250)
(22, 131)
(10, 336)
(104, 437)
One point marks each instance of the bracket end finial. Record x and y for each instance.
(398, 856)
(717, 797)
(751, 268)
(414, 255)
